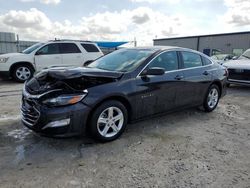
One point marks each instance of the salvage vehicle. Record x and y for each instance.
(21, 66)
(222, 58)
(239, 70)
(124, 86)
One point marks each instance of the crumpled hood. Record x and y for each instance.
(62, 73)
(238, 64)
(69, 79)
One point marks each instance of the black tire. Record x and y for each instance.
(206, 106)
(25, 67)
(94, 126)
(228, 85)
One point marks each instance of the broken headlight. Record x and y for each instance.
(65, 99)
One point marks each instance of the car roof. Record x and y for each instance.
(165, 48)
(70, 41)
(156, 47)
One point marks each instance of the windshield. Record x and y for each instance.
(246, 54)
(32, 48)
(123, 60)
(219, 57)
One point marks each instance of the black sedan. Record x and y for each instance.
(121, 87)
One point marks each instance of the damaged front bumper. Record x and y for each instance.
(54, 121)
(52, 102)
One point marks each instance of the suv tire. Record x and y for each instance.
(22, 72)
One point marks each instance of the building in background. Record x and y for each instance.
(9, 42)
(226, 43)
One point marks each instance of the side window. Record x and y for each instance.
(68, 48)
(206, 61)
(90, 47)
(49, 49)
(191, 59)
(167, 60)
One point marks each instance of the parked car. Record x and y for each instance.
(239, 70)
(222, 58)
(123, 86)
(21, 66)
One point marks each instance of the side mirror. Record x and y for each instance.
(153, 71)
(39, 53)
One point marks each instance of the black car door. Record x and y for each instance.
(197, 78)
(156, 94)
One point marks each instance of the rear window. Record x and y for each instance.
(191, 59)
(67, 48)
(90, 47)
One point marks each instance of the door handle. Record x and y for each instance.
(205, 73)
(179, 77)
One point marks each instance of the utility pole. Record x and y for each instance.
(17, 43)
(135, 42)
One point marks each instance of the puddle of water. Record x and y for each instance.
(19, 134)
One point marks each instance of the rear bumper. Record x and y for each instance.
(39, 119)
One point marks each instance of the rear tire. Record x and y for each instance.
(108, 121)
(212, 98)
(22, 72)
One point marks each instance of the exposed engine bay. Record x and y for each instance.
(51, 83)
(68, 80)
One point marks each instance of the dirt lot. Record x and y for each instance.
(184, 149)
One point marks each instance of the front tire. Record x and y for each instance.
(21, 73)
(108, 121)
(212, 98)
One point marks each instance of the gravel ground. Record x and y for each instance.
(189, 148)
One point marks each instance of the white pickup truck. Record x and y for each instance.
(21, 66)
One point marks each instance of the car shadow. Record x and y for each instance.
(8, 81)
(236, 89)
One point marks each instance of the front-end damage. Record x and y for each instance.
(52, 100)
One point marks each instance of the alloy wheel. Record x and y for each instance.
(213, 98)
(110, 122)
(23, 73)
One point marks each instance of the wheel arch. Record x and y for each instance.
(20, 63)
(217, 83)
(119, 98)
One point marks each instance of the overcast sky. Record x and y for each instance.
(116, 20)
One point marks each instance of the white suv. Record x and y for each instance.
(21, 66)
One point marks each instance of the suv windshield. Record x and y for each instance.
(124, 60)
(32, 48)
